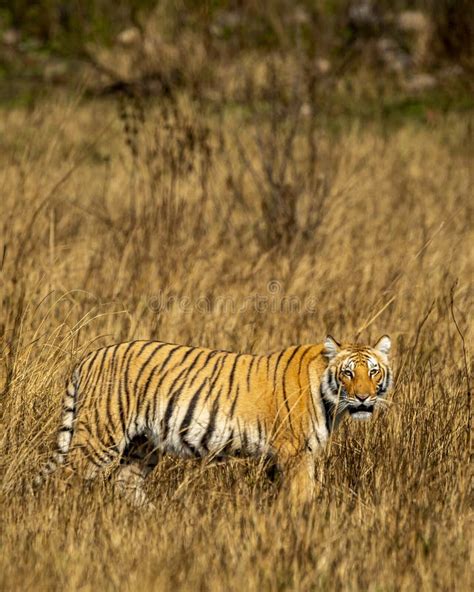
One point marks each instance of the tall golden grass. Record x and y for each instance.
(248, 232)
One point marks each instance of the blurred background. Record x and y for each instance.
(408, 57)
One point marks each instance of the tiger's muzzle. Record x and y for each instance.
(362, 407)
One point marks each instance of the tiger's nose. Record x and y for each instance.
(362, 397)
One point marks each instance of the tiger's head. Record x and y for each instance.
(357, 376)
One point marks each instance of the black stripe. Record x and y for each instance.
(249, 372)
(211, 426)
(108, 401)
(306, 351)
(260, 432)
(277, 363)
(184, 428)
(332, 380)
(295, 351)
(234, 403)
(328, 411)
(229, 445)
(380, 385)
(123, 394)
(190, 412)
(383, 384)
(244, 441)
(165, 423)
(214, 377)
(66, 429)
(232, 374)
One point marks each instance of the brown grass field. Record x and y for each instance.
(250, 231)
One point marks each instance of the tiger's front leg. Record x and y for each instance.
(129, 481)
(299, 476)
(137, 462)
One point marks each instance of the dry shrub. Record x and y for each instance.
(280, 171)
(109, 235)
(453, 37)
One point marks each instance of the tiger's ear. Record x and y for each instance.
(331, 347)
(383, 345)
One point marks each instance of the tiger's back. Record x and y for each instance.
(189, 401)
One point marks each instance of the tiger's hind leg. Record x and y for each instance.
(138, 460)
(92, 455)
(85, 466)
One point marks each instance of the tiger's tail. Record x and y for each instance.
(65, 433)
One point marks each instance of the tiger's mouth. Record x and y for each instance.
(361, 411)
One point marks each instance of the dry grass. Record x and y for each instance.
(185, 232)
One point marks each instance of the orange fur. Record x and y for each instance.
(158, 397)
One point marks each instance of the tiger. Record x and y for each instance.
(127, 404)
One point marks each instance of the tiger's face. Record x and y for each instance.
(357, 377)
